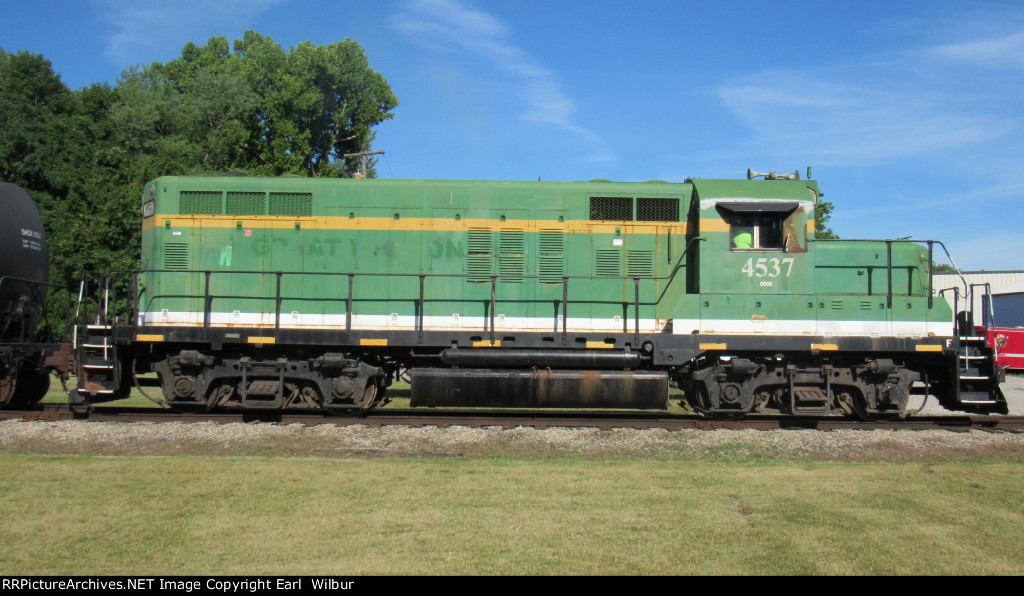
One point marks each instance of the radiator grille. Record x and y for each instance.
(657, 209)
(199, 202)
(611, 208)
(246, 203)
(291, 203)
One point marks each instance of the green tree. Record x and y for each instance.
(317, 103)
(40, 120)
(51, 145)
(823, 213)
(257, 109)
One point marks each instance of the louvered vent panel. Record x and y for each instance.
(657, 209)
(246, 203)
(640, 262)
(865, 305)
(176, 255)
(608, 262)
(200, 202)
(511, 256)
(551, 260)
(480, 254)
(837, 305)
(611, 208)
(291, 203)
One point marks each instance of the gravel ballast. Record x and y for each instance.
(295, 440)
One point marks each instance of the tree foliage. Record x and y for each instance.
(823, 213)
(253, 108)
(258, 109)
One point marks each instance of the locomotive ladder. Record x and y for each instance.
(979, 376)
(978, 373)
(98, 367)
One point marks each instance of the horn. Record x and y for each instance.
(751, 174)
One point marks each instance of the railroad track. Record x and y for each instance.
(512, 419)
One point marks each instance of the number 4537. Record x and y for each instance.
(765, 267)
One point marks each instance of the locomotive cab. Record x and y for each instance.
(756, 263)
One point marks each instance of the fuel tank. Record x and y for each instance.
(539, 388)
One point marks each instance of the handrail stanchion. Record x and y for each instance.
(277, 306)
(207, 304)
(348, 303)
(888, 270)
(636, 311)
(419, 323)
(931, 264)
(565, 309)
(494, 283)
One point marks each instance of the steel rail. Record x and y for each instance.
(511, 419)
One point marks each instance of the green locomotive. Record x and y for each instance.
(273, 293)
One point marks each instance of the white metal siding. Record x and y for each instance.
(1001, 282)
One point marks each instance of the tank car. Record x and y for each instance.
(288, 292)
(25, 355)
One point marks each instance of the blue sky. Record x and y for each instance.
(910, 112)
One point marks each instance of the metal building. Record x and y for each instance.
(1000, 282)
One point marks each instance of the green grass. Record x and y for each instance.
(204, 515)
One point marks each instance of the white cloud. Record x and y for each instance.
(447, 25)
(997, 52)
(163, 28)
(911, 103)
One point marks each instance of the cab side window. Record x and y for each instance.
(757, 231)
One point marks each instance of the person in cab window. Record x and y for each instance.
(743, 231)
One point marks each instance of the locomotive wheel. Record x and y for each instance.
(700, 402)
(860, 408)
(7, 386)
(372, 395)
(30, 388)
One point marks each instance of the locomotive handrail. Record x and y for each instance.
(420, 301)
(931, 273)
